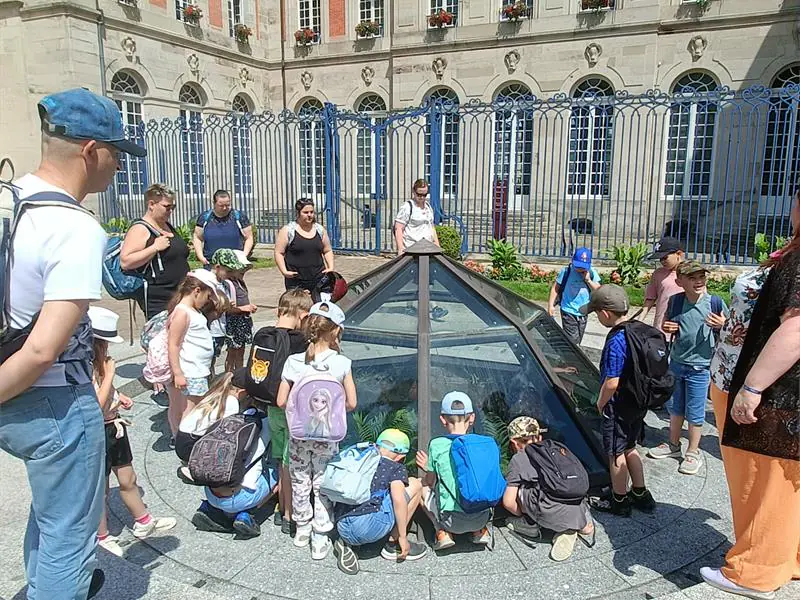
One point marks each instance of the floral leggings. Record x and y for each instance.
(307, 461)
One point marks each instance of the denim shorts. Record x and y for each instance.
(369, 528)
(244, 499)
(196, 386)
(691, 392)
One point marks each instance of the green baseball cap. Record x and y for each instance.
(225, 257)
(394, 440)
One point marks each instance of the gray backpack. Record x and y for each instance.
(348, 477)
(223, 456)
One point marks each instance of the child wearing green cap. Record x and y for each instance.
(395, 497)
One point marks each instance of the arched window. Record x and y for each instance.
(513, 142)
(127, 93)
(782, 146)
(192, 146)
(448, 163)
(242, 147)
(312, 149)
(591, 128)
(690, 139)
(373, 107)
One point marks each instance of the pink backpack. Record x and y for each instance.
(316, 409)
(156, 367)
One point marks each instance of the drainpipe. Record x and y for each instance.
(391, 55)
(283, 52)
(101, 28)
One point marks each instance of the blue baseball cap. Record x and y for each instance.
(450, 398)
(582, 259)
(79, 114)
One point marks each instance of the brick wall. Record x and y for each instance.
(215, 13)
(159, 3)
(337, 18)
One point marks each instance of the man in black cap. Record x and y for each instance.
(669, 252)
(49, 414)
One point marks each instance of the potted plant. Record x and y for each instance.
(367, 29)
(242, 33)
(441, 18)
(192, 14)
(516, 12)
(597, 5)
(305, 36)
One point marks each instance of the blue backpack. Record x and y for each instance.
(476, 465)
(125, 285)
(348, 477)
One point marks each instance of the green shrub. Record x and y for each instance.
(764, 246)
(118, 225)
(450, 241)
(368, 428)
(187, 231)
(505, 262)
(630, 263)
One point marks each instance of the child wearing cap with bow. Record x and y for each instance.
(571, 290)
(307, 459)
(531, 506)
(394, 498)
(119, 457)
(439, 502)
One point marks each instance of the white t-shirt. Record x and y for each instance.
(197, 349)
(334, 364)
(58, 255)
(420, 224)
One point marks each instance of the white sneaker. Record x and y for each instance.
(320, 546)
(154, 526)
(665, 450)
(111, 544)
(715, 578)
(303, 536)
(691, 463)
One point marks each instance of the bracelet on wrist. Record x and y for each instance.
(751, 390)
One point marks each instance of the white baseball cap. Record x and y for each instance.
(205, 277)
(330, 311)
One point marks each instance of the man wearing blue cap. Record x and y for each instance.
(571, 291)
(49, 414)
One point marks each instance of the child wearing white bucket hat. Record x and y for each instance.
(119, 457)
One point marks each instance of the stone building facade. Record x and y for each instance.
(146, 54)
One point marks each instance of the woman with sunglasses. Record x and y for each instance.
(153, 248)
(303, 251)
(414, 220)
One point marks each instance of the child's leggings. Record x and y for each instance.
(307, 461)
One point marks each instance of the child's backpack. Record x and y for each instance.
(152, 328)
(348, 477)
(316, 409)
(676, 303)
(561, 475)
(271, 348)
(476, 466)
(156, 366)
(125, 285)
(646, 381)
(223, 456)
(12, 340)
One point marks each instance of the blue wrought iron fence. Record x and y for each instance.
(712, 167)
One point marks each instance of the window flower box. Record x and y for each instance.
(440, 19)
(192, 14)
(242, 33)
(368, 29)
(701, 5)
(131, 3)
(305, 36)
(597, 5)
(515, 12)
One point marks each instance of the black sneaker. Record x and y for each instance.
(346, 558)
(277, 518)
(245, 525)
(210, 518)
(643, 502)
(98, 579)
(609, 504)
(391, 551)
(288, 527)
(524, 526)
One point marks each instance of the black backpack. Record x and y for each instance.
(561, 475)
(223, 456)
(646, 381)
(271, 347)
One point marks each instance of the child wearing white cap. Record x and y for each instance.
(118, 449)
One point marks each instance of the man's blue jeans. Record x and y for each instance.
(59, 434)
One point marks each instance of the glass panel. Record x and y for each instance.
(504, 381)
(392, 310)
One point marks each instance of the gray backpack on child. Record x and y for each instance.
(223, 456)
(348, 477)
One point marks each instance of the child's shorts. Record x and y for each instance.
(118, 450)
(620, 435)
(456, 522)
(279, 434)
(691, 392)
(195, 386)
(369, 528)
(240, 330)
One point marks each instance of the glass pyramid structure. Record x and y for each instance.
(423, 325)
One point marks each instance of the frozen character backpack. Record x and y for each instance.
(316, 408)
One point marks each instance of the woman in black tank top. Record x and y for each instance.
(153, 248)
(303, 251)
